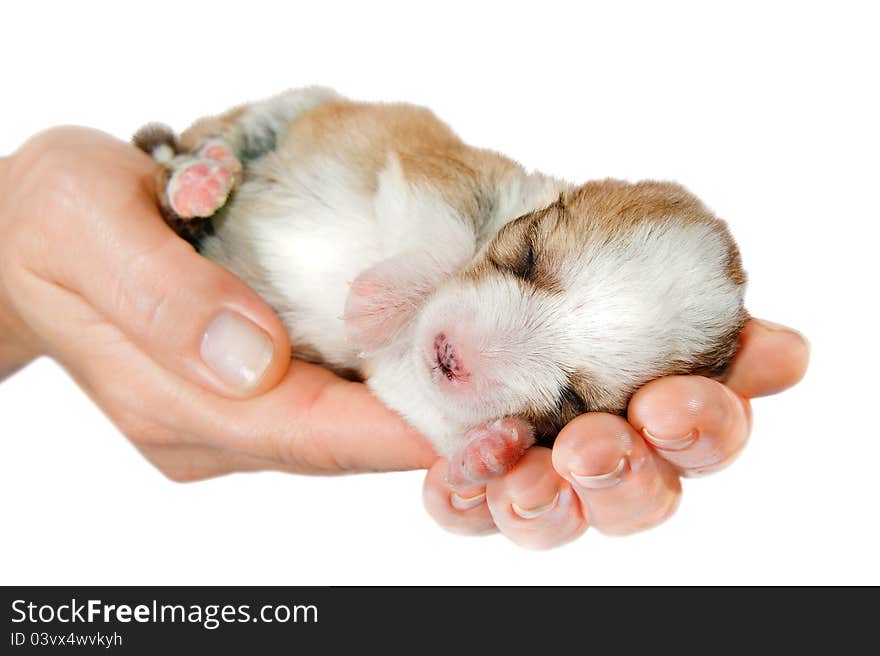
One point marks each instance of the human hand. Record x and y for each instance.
(190, 364)
(92, 277)
(622, 475)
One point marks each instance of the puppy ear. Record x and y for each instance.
(384, 298)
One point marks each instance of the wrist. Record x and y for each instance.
(14, 351)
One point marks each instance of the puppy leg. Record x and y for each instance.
(191, 186)
(255, 129)
(199, 185)
(491, 450)
(203, 168)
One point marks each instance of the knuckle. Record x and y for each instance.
(50, 162)
(143, 286)
(148, 293)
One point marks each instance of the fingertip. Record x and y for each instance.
(670, 406)
(533, 506)
(591, 444)
(622, 486)
(695, 423)
(460, 511)
(772, 358)
(531, 483)
(243, 350)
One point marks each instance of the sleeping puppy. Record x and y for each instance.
(487, 305)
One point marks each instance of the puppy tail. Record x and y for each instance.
(158, 141)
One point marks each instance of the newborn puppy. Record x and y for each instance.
(487, 305)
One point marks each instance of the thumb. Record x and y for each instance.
(189, 314)
(196, 318)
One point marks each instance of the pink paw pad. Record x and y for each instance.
(492, 449)
(199, 188)
(222, 153)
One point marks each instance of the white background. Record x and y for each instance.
(768, 112)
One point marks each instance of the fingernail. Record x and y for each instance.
(236, 349)
(602, 481)
(674, 444)
(466, 503)
(532, 513)
(779, 328)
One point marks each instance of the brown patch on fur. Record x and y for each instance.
(548, 423)
(734, 261)
(307, 353)
(715, 362)
(225, 126)
(153, 135)
(579, 396)
(521, 249)
(353, 375)
(533, 246)
(615, 207)
(430, 154)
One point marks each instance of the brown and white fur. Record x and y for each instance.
(486, 304)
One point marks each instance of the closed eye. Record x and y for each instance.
(523, 265)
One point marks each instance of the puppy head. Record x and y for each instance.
(572, 307)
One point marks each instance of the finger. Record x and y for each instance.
(183, 463)
(318, 420)
(191, 315)
(311, 422)
(695, 423)
(461, 511)
(533, 506)
(622, 486)
(771, 358)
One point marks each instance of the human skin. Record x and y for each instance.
(91, 276)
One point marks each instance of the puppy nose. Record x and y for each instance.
(447, 359)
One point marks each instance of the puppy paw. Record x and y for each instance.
(491, 450)
(199, 183)
(222, 153)
(198, 187)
